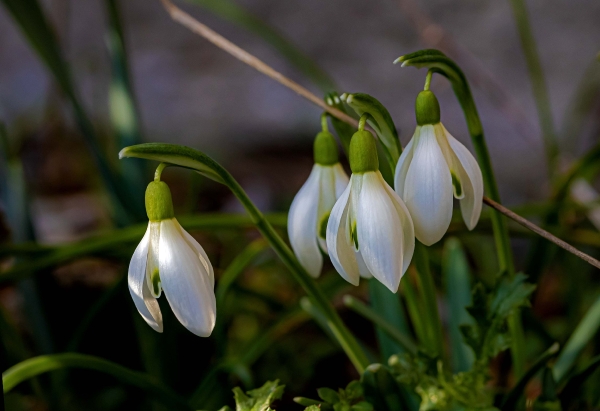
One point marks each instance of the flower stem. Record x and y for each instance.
(428, 80)
(324, 126)
(362, 122)
(159, 171)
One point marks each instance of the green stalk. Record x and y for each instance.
(196, 160)
(538, 82)
(439, 63)
(46, 363)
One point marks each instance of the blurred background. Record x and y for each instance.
(186, 91)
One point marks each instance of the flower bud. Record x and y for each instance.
(427, 108)
(325, 149)
(159, 205)
(363, 152)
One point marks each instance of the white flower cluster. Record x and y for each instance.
(371, 228)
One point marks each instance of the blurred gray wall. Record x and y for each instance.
(190, 92)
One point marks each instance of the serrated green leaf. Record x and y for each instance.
(259, 399)
(489, 335)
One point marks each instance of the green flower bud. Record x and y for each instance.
(159, 205)
(427, 108)
(363, 152)
(325, 149)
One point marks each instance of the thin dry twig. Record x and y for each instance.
(215, 38)
(540, 231)
(194, 25)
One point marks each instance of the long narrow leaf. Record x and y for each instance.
(586, 329)
(46, 363)
(29, 16)
(458, 290)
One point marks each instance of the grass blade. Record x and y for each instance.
(458, 291)
(586, 329)
(46, 363)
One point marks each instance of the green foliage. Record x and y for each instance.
(344, 399)
(489, 334)
(259, 399)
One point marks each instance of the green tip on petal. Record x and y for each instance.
(427, 108)
(159, 205)
(325, 149)
(399, 60)
(363, 152)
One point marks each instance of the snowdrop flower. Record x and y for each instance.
(313, 203)
(169, 259)
(370, 232)
(433, 167)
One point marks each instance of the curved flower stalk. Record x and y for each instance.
(169, 259)
(370, 232)
(433, 167)
(310, 209)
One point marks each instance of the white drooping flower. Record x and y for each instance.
(434, 168)
(311, 207)
(585, 195)
(370, 231)
(170, 260)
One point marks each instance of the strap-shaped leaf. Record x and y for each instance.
(46, 363)
(181, 156)
(380, 120)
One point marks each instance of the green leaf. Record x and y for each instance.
(181, 156)
(583, 334)
(29, 16)
(489, 334)
(381, 389)
(46, 363)
(328, 395)
(259, 399)
(380, 120)
(458, 290)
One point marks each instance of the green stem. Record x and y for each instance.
(324, 126)
(538, 82)
(46, 363)
(365, 311)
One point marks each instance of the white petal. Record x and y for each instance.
(302, 224)
(362, 267)
(191, 241)
(404, 163)
(472, 182)
(185, 281)
(379, 232)
(341, 179)
(146, 305)
(339, 247)
(408, 229)
(428, 189)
